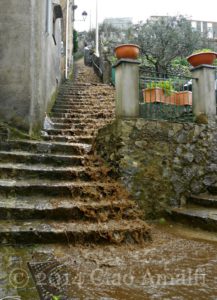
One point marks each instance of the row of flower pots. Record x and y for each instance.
(131, 51)
(157, 95)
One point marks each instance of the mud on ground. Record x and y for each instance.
(179, 263)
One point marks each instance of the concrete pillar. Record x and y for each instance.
(107, 70)
(203, 89)
(127, 88)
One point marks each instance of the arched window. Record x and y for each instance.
(57, 14)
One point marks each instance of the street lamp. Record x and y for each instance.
(97, 30)
(84, 15)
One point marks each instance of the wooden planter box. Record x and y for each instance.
(184, 98)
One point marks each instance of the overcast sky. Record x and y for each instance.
(141, 10)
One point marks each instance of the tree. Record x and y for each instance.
(75, 41)
(164, 38)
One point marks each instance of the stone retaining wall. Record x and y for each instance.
(160, 163)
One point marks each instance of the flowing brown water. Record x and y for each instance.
(178, 264)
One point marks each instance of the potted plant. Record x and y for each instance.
(201, 57)
(161, 91)
(129, 51)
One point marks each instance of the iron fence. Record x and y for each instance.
(97, 66)
(165, 97)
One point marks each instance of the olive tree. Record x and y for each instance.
(164, 38)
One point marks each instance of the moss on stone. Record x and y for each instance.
(159, 163)
(14, 133)
(52, 101)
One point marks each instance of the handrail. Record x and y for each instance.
(96, 66)
(101, 72)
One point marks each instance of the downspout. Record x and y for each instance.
(32, 48)
(67, 38)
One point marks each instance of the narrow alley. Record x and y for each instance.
(56, 196)
(70, 229)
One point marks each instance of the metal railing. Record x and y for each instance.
(165, 97)
(97, 66)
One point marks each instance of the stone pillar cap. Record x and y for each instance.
(126, 60)
(203, 66)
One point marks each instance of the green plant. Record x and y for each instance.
(55, 298)
(75, 41)
(113, 59)
(166, 85)
(203, 50)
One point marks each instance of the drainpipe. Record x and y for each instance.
(67, 38)
(97, 30)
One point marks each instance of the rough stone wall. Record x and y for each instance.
(160, 163)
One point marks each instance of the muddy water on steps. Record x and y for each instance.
(179, 264)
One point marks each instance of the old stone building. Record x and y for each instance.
(32, 58)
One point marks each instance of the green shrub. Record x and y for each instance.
(75, 41)
(166, 85)
(203, 50)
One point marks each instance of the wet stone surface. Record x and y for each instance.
(163, 161)
(43, 200)
(179, 263)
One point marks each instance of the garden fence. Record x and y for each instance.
(165, 97)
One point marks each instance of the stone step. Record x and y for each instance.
(104, 91)
(85, 100)
(84, 126)
(82, 102)
(207, 200)
(83, 116)
(82, 86)
(79, 84)
(22, 170)
(45, 147)
(90, 93)
(38, 187)
(71, 132)
(112, 232)
(196, 216)
(69, 139)
(213, 189)
(34, 158)
(77, 88)
(80, 110)
(72, 105)
(80, 120)
(65, 209)
(86, 95)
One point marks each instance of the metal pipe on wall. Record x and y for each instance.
(67, 38)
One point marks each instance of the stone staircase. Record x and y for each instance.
(55, 189)
(200, 210)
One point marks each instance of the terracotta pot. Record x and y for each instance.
(202, 58)
(127, 51)
(153, 95)
(184, 98)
